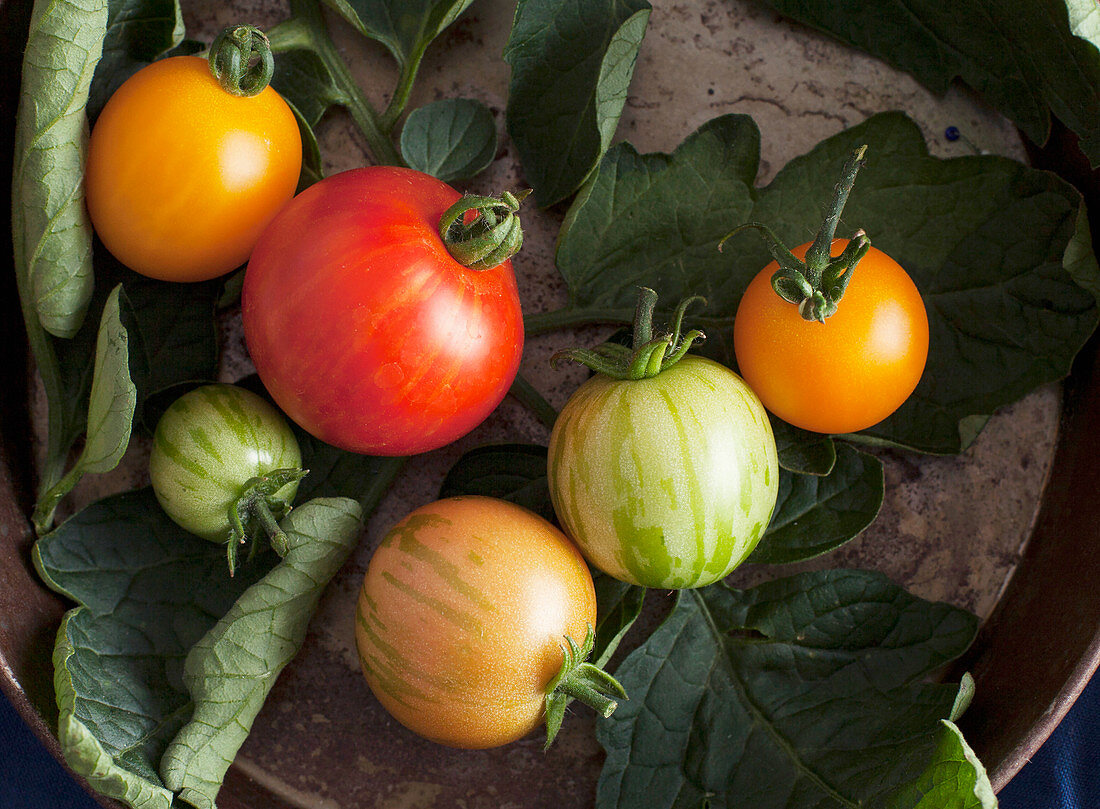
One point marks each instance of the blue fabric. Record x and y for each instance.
(1065, 773)
(30, 778)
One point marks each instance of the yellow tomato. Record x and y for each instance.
(847, 373)
(182, 176)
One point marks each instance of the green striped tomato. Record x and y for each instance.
(207, 445)
(668, 481)
(462, 617)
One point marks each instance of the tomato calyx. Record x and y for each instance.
(488, 239)
(817, 284)
(582, 681)
(241, 60)
(649, 355)
(256, 512)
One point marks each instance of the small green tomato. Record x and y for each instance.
(225, 465)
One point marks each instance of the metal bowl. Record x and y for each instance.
(322, 741)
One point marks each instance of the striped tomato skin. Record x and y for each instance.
(461, 620)
(668, 481)
(208, 443)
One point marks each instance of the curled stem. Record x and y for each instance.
(241, 60)
(490, 238)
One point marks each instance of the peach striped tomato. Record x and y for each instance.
(463, 614)
(364, 328)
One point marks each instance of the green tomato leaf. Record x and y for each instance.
(173, 337)
(312, 76)
(955, 778)
(452, 139)
(1020, 54)
(1084, 20)
(817, 514)
(111, 407)
(655, 220)
(307, 85)
(312, 169)
(998, 250)
(148, 591)
(572, 62)
(110, 411)
(801, 451)
(807, 691)
(230, 671)
(50, 228)
(405, 27)
(138, 32)
(618, 605)
(513, 472)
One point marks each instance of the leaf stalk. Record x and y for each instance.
(817, 283)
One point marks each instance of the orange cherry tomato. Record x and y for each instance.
(847, 373)
(462, 617)
(182, 176)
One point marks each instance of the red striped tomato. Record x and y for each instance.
(463, 614)
(365, 329)
(668, 481)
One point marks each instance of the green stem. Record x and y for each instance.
(380, 482)
(569, 317)
(582, 681)
(231, 56)
(582, 691)
(643, 316)
(271, 527)
(401, 93)
(817, 257)
(816, 283)
(648, 355)
(306, 30)
(527, 395)
(492, 237)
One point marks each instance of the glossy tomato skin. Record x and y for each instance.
(207, 445)
(182, 176)
(665, 482)
(365, 330)
(461, 620)
(847, 373)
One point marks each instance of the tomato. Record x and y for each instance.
(832, 335)
(462, 619)
(365, 329)
(847, 373)
(210, 447)
(668, 481)
(182, 176)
